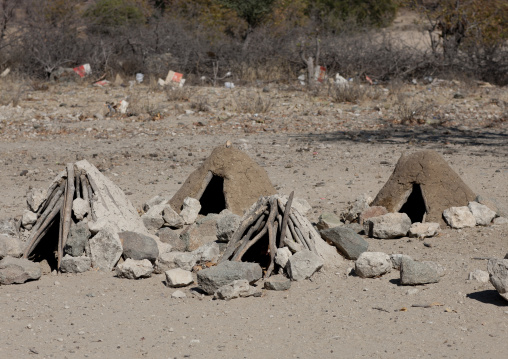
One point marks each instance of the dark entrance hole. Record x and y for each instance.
(212, 200)
(258, 253)
(47, 248)
(415, 205)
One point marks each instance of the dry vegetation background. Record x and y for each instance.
(256, 40)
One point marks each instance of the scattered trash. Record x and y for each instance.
(369, 80)
(102, 83)
(229, 85)
(341, 81)
(302, 78)
(123, 106)
(320, 74)
(83, 70)
(139, 78)
(5, 72)
(172, 78)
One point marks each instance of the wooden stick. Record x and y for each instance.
(77, 186)
(272, 236)
(47, 211)
(287, 211)
(95, 189)
(88, 195)
(294, 234)
(67, 211)
(52, 191)
(259, 224)
(302, 238)
(84, 188)
(246, 223)
(43, 228)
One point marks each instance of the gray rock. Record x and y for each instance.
(18, 270)
(199, 234)
(500, 221)
(328, 220)
(80, 208)
(459, 217)
(282, 256)
(498, 271)
(494, 204)
(356, 227)
(278, 282)
(481, 213)
(303, 265)
(185, 260)
(105, 250)
(373, 264)
(28, 219)
(388, 226)
(77, 240)
(213, 278)
(35, 197)
(9, 227)
(479, 276)
(153, 218)
(424, 230)
(171, 218)
(138, 246)
(190, 210)
(154, 201)
(414, 273)
(171, 237)
(227, 224)
(350, 244)
(440, 270)
(10, 246)
(134, 269)
(178, 278)
(208, 253)
(360, 204)
(71, 264)
(396, 260)
(236, 289)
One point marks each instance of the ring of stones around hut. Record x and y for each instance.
(415, 273)
(134, 269)
(459, 217)
(18, 270)
(373, 264)
(388, 226)
(482, 214)
(498, 271)
(10, 246)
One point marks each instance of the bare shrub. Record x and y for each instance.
(200, 104)
(180, 94)
(410, 111)
(352, 92)
(249, 102)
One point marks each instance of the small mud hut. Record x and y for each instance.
(228, 179)
(423, 185)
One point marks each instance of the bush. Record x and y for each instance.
(115, 13)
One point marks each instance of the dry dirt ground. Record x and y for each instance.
(328, 152)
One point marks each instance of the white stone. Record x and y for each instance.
(153, 218)
(178, 294)
(134, 269)
(237, 288)
(28, 219)
(459, 217)
(424, 230)
(301, 205)
(479, 276)
(154, 201)
(282, 256)
(171, 218)
(178, 278)
(500, 221)
(482, 214)
(81, 208)
(387, 226)
(35, 197)
(372, 264)
(71, 264)
(190, 210)
(397, 260)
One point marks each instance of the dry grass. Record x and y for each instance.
(410, 111)
(181, 94)
(353, 93)
(249, 102)
(200, 104)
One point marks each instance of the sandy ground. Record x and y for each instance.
(329, 153)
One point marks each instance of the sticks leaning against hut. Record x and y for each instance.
(71, 184)
(275, 217)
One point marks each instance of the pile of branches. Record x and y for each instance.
(274, 219)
